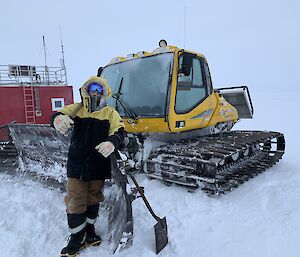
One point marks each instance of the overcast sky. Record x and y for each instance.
(253, 42)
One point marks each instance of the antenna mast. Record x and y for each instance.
(46, 66)
(184, 26)
(63, 56)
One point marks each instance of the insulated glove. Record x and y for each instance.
(62, 123)
(105, 148)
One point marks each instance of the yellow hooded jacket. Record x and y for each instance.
(90, 129)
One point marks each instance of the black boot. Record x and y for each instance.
(91, 216)
(91, 237)
(77, 223)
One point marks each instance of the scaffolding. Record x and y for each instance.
(32, 75)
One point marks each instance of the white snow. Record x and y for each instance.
(260, 218)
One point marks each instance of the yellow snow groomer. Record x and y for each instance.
(179, 126)
(167, 95)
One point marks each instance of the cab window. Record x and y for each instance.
(191, 89)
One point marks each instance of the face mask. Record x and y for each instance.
(95, 102)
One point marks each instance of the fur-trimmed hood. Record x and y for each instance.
(85, 97)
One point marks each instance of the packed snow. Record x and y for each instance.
(260, 218)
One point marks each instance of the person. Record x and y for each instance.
(97, 131)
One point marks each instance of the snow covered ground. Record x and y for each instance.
(261, 218)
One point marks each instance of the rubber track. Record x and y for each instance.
(216, 163)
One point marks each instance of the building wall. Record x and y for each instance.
(46, 94)
(12, 106)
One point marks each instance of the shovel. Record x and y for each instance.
(161, 230)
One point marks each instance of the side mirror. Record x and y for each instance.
(187, 62)
(99, 71)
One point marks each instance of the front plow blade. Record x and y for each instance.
(120, 221)
(41, 153)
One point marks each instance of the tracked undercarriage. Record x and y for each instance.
(216, 163)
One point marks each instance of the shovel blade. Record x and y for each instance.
(161, 235)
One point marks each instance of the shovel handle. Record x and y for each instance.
(158, 219)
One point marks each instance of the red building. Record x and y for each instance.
(30, 94)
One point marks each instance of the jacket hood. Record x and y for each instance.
(86, 99)
(94, 79)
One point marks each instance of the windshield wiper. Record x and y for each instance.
(127, 109)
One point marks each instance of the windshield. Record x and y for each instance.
(141, 83)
